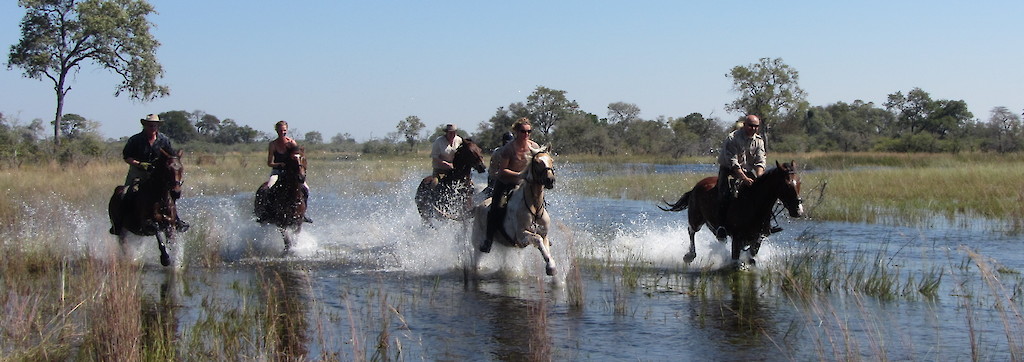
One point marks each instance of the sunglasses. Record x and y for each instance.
(526, 131)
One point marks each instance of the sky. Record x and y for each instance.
(360, 67)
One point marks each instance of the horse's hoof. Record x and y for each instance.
(113, 232)
(307, 219)
(550, 271)
(181, 226)
(688, 258)
(165, 259)
(774, 229)
(486, 247)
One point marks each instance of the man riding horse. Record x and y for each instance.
(140, 152)
(507, 173)
(442, 153)
(741, 157)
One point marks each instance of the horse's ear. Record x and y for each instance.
(777, 164)
(179, 153)
(792, 163)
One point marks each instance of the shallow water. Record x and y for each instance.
(368, 270)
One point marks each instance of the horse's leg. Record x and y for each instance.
(754, 247)
(692, 253)
(545, 250)
(287, 241)
(161, 240)
(114, 210)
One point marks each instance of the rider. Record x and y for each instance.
(277, 154)
(495, 160)
(742, 156)
(442, 153)
(508, 173)
(141, 151)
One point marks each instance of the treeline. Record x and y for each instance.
(911, 122)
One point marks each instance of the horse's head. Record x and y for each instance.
(469, 155)
(541, 170)
(295, 164)
(170, 171)
(789, 188)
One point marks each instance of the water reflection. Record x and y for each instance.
(519, 324)
(741, 316)
(159, 313)
(286, 291)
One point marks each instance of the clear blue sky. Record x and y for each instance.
(359, 67)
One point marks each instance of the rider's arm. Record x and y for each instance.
(270, 155)
(504, 173)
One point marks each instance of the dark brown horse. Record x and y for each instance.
(284, 204)
(748, 218)
(451, 196)
(148, 207)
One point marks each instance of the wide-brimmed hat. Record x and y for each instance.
(151, 118)
(450, 128)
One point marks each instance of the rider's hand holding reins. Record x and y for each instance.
(145, 166)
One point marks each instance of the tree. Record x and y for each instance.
(208, 124)
(75, 126)
(57, 36)
(410, 128)
(623, 112)
(917, 112)
(177, 126)
(313, 138)
(488, 134)
(1008, 130)
(768, 89)
(547, 107)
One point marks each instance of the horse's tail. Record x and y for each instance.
(680, 205)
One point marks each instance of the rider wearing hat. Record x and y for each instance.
(442, 153)
(144, 148)
(141, 151)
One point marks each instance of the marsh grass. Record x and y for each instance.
(62, 302)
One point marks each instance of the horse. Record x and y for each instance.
(284, 204)
(148, 207)
(526, 220)
(451, 196)
(747, 220)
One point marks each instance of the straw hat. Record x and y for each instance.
(151, 118)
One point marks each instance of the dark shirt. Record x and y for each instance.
(280, 158)
(138, 147)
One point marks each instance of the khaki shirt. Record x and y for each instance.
(442, 151)
(738, 151)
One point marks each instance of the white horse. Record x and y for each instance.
(526, 220)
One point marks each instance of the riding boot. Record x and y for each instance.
(723, 207)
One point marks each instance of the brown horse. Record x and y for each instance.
(747, 220)
(148, 207)
(451, 196)
(526, 219)
(284, 204)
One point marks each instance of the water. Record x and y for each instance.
(367, 270)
